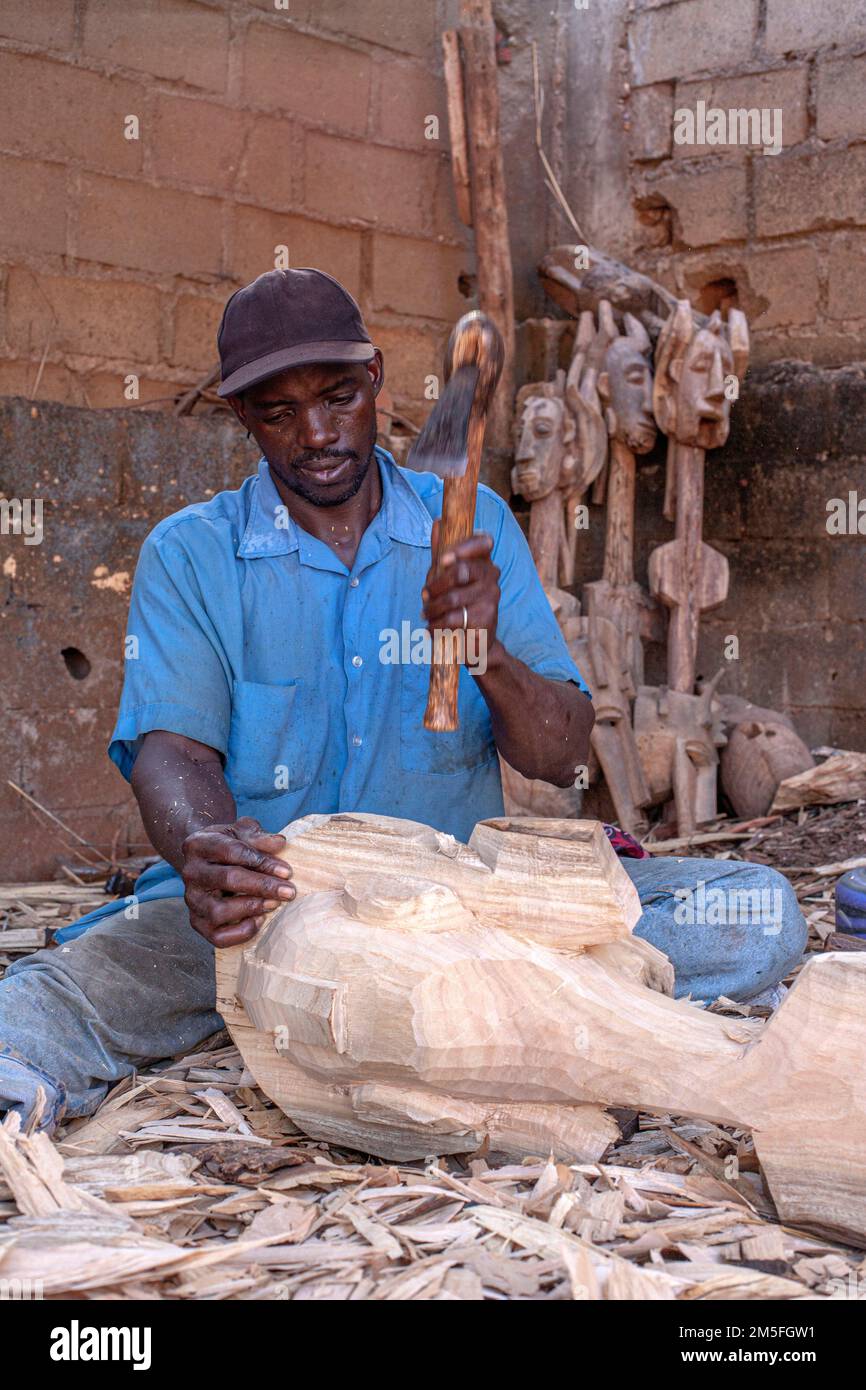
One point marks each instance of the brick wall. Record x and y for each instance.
(789, 230)
(258, 126)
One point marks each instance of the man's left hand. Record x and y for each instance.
(462, 590)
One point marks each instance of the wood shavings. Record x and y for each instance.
(188, 1184)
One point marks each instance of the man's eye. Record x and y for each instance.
(343, 400)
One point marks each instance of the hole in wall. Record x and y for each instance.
(77, 664)
(718, 294)
(467, 284)
(655, 220)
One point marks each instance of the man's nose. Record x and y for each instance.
(316, 429)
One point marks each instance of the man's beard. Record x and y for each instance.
(310, 493)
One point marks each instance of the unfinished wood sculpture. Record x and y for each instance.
(597, 650)
(678, 737)
(625, 387)
(578, 278)
(693, 410)
(841, 778)
(560, 450)
(600, 654)
(762, 750)
(422, 997)
(543, 473)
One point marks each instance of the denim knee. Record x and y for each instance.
(728, 927)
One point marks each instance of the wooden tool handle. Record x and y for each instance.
(457, 524)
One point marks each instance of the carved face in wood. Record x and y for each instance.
(702, 408)
(693, 366)
(543, 458)
(626, 388)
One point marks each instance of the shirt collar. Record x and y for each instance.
(270, 530)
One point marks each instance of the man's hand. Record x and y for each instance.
(232, 880)
(462, 591)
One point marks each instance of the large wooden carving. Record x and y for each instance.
(423, 996)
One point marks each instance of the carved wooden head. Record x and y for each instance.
(545, 433)
(626, 387)
(692, 368)
(582, 398)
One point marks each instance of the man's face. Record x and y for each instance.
(316, 426)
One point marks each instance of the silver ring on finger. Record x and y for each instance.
(465, 617)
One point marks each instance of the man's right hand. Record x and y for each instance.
(232, 880)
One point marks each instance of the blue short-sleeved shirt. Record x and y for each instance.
(250, 635)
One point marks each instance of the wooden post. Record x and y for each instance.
(453, 72)
(688, 575)
(490, 218)
(616, 595)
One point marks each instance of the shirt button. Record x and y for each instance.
(357, 740)
(357, 661)
(353, 583)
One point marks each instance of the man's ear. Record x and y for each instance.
(239, 407)
(376, 368)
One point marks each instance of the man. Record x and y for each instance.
(260, 690)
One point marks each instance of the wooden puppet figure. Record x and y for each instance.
(625, 387)
(543, 473)
(561, 450)
(692, 406)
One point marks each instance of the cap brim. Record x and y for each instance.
(302, 355)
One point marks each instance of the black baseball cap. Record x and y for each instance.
(288, 318)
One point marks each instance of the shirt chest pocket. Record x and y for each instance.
(469, 746)
(268, 754)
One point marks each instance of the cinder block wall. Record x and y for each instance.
(259, 125)
(789, 230)
(305, 127)
(797, 597)
(103, 477)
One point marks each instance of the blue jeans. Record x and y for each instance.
(77, 1018)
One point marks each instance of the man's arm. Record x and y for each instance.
(228, 867)
(541, 726)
